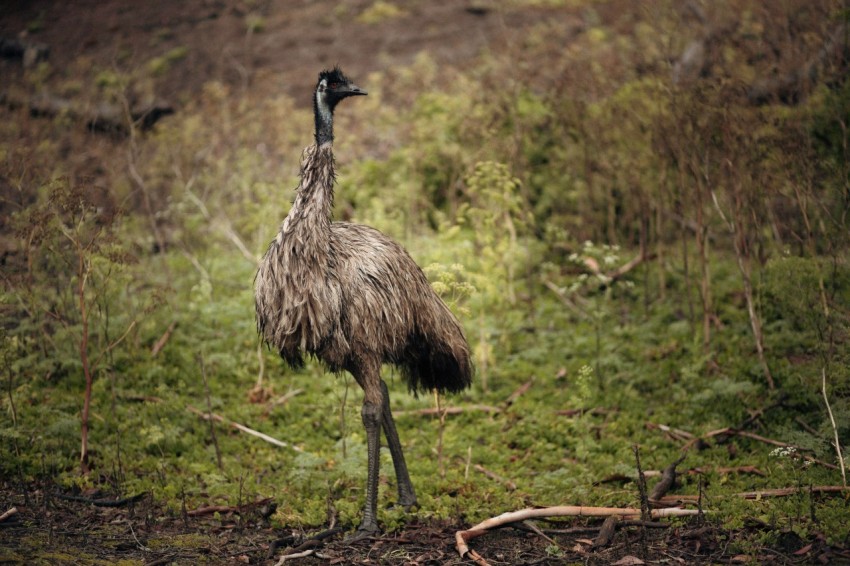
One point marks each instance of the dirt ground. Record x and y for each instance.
(54, 526)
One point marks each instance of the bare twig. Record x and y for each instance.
(8, 514)
(674, 433)
(295, 555)
(779, 492)
(734, 432)
(209, 410)
(243, 428)
(507, 483)
(482, 528)
(606, 533)
(105, 502)
(668, 480)
(521, 390)
(163, 340)
(211, 509)
(644, 500)
(834, 429)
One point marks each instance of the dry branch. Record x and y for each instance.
(482, 528)
(521, 390)
(243, 428)
(8, 514)
(210, 509)
(606, 533)
(163, 340)
(674, 433)
(493, 476)
(668, 480)
(735, 432)
(782, 492)
(837, 443)
(779, 492)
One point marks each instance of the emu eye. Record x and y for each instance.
(334, 85)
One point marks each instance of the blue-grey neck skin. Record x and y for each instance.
(324, 115)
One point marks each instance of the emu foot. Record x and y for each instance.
(364, 531)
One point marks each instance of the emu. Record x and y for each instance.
(353, 298)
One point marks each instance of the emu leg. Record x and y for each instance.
(406, 494)
(371, 415)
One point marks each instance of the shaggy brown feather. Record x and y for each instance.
(346, 293)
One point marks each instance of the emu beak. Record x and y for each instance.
(354, 90)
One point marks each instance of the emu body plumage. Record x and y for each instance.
(353, 298)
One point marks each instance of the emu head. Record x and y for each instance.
(332, 87)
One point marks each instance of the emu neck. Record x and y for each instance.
(306, 229)
(324, 116)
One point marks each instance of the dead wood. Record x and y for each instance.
(243, 428)
(668, 480)
(11, 512)
(511, 486)
(237, 509)
(596, 411)
(782, 492)
(163, 340)
(521, 390)
(674, 433)
(614, 478)
(728, 431)
(606, 533)
(104, 502)
(779, 492)
(463, 537)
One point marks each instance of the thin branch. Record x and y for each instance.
(834, 428)
(243, 428)
(163, 340)
(511, 486)
(8, 514)
(482, 528)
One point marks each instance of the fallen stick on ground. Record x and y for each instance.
(293, 556)
(779, 492)
(447, 410)
(674, 433)
(210, 509)
(728, 431)
(163, 340)
(104, 502)
(689, 472)
(482, 528)
(668, 480)
(243, 428)
(8, 514)
(519, 392)
(606, 533)
(493, 476)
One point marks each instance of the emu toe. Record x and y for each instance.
(363, 532)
